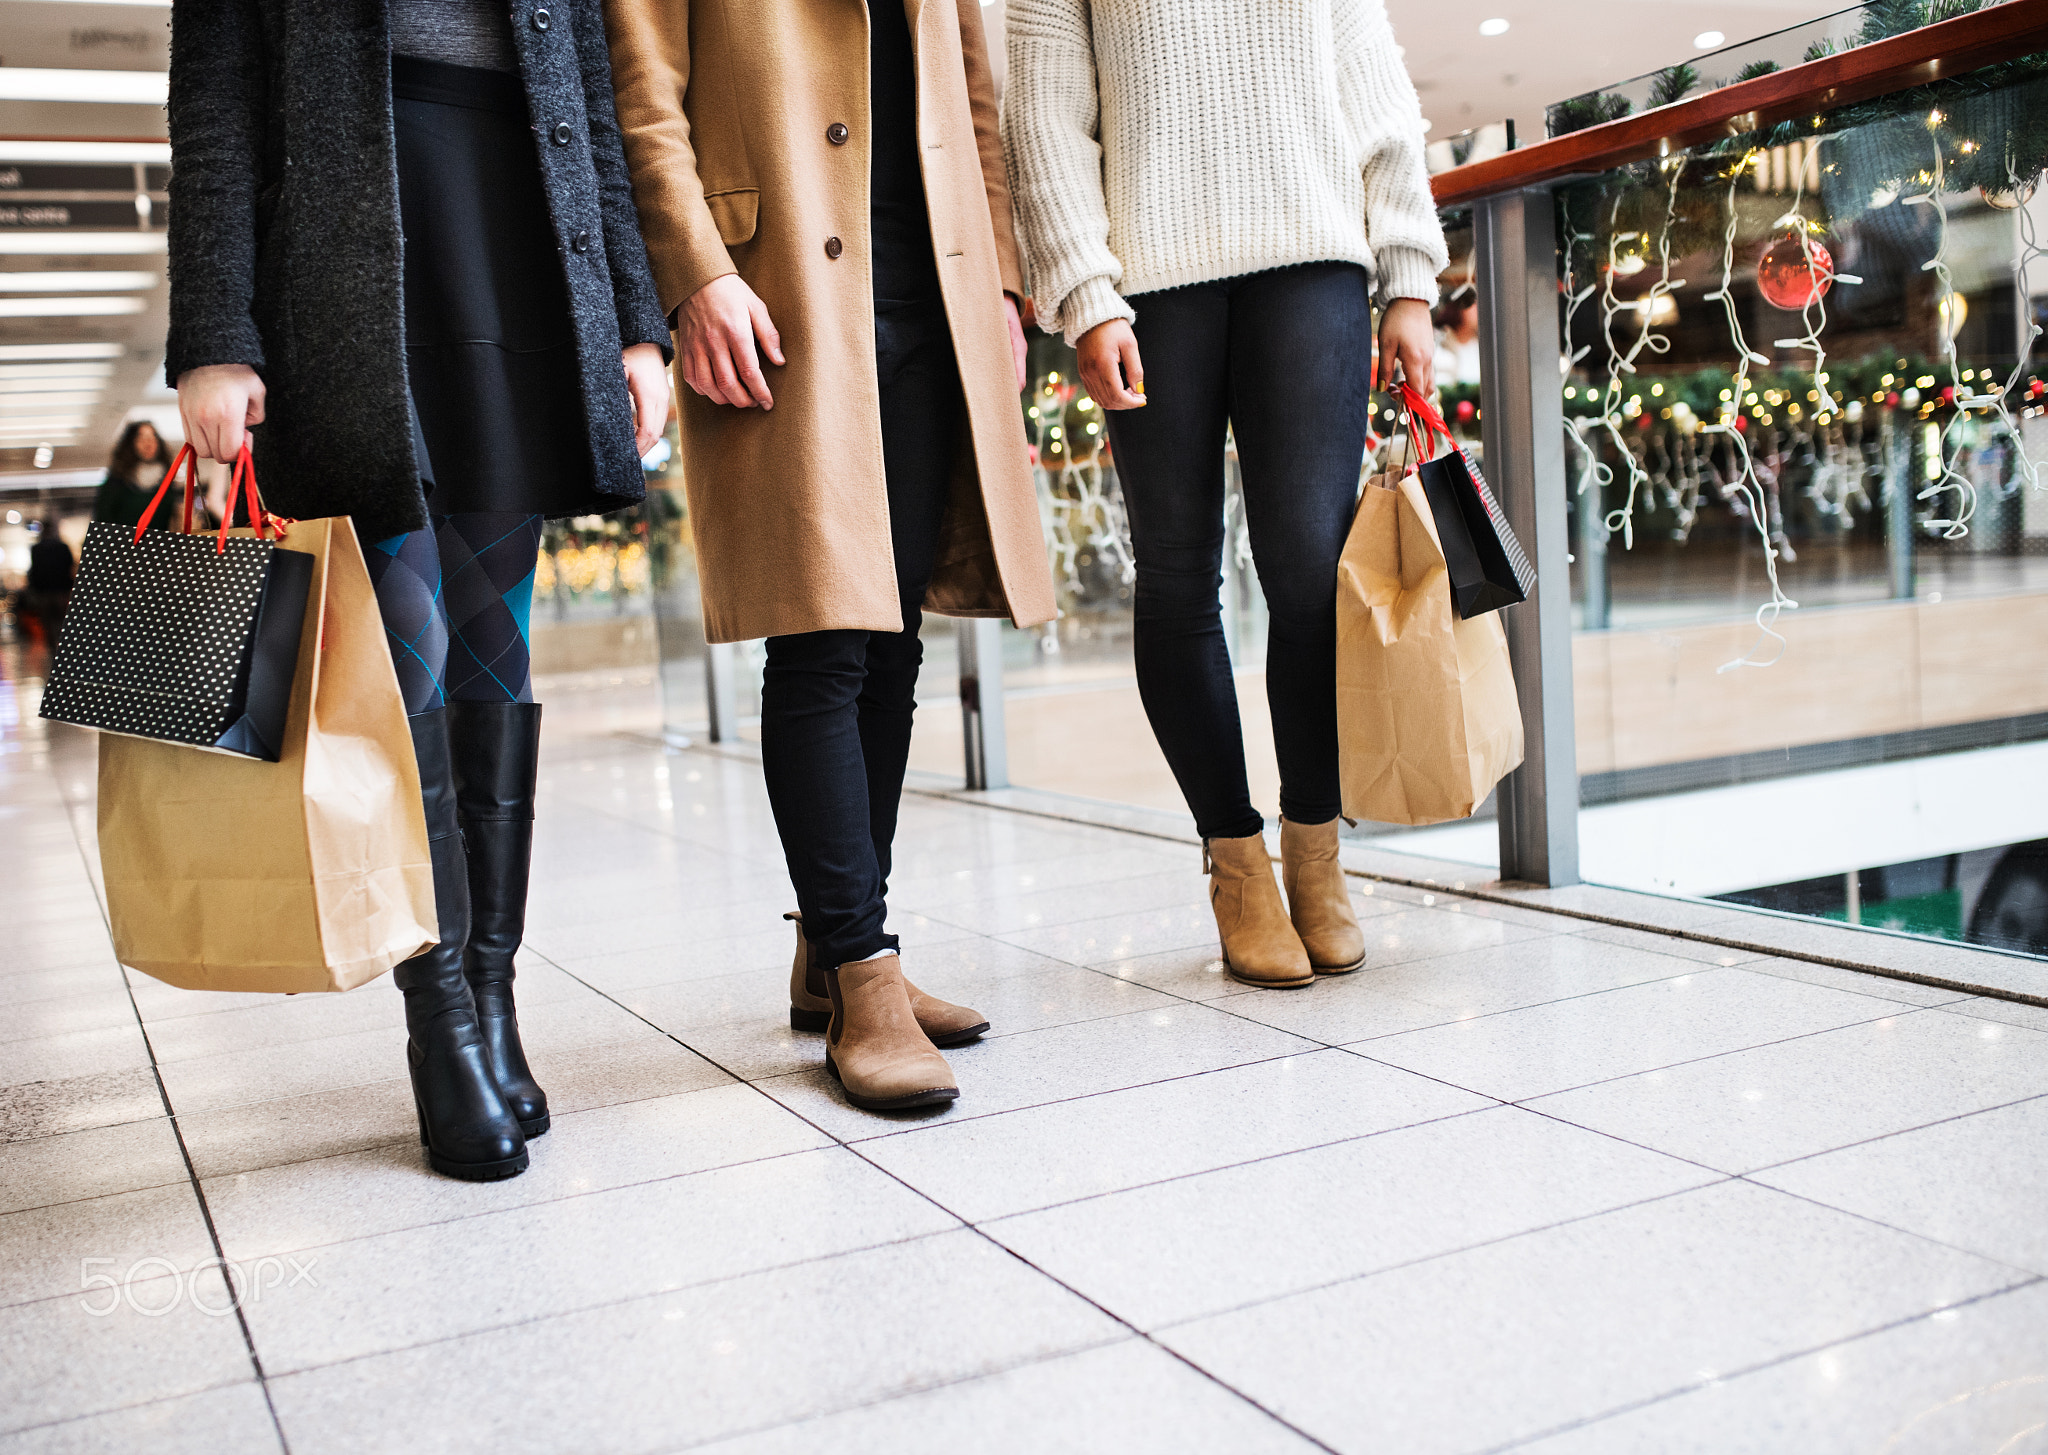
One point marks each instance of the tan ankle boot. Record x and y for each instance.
(810, 1009)
(874, 1045)
(1260, 946)
(1318, 900)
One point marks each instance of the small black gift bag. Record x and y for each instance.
(1487, 566)
(180, 638)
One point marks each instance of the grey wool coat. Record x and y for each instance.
(285, 248)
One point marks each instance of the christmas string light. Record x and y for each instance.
(1744, 486)
(1618, 363)
(1951, 480)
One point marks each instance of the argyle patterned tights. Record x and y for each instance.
(456, 599)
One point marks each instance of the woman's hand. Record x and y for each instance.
(1017, 348)
(647, 382)
(716, 329)
(1109, 357)
(1407, 338)
(218, 404)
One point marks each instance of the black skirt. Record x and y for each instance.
(490, 351)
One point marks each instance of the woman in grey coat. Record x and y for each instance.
(404, 258)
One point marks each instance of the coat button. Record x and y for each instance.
(580, 242)
(837, 133)
(834, 247)
(562, 133)
(541, 19)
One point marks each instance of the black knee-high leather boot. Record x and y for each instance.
(496, 748)
(466, 1127)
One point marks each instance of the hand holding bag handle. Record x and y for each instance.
(242, 482)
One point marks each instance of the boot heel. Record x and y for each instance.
(809, 1020)
(420, 1111)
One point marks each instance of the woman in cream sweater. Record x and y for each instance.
(1223, 191)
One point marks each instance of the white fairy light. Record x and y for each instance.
(1746, 486)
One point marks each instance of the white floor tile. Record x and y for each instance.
(1525, 1053)
(1772, 1103)
(986, 1167)
(232, 1420)
(64, 1362)
(689, 1367)
(1965, 1379)
(1975, 1182)
(421, 1285)
(1256, 1231)
(1131, 1398)
(312, 1204)
(1501, 1343)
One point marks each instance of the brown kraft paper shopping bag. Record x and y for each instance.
(310, 873)
(1427, 717)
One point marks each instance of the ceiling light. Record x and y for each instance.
(37, 373)
(1493, 27)
(111, 153)
(78, 282)
(46, 424)
(11, 353)
(43, 83)
(1707, 40)
(47, 244)
(12, 405)
(68, 307)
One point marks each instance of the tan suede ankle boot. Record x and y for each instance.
(874, 1045)
(1260, 946)
(810, 1008)
(1318, 900)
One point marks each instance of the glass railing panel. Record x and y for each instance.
(1804, 384)
(1810, 40)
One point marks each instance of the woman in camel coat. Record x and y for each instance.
(744, 129)
(821, 187)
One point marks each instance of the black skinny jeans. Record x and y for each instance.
(1284, 359)
(836, 705)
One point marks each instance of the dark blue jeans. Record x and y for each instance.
(1284, 359)
(836, 706)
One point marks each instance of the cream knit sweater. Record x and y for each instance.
(1157, 143)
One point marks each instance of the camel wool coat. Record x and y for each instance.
(746, 133)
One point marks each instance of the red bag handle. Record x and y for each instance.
(1425, 425)
(243, 483)
(187, 457)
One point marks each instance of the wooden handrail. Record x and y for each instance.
(1933, 52)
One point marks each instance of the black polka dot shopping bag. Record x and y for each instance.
(306, 869)
(186, 638)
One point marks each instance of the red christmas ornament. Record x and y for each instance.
(1788, 280)
(1466, 409)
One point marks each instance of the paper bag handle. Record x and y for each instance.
(1425, 425)
(243, 484)
(190, 460)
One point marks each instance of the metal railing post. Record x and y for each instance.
(1515, 260)
(721, 693)
(981, 702)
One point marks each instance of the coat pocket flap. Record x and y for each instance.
(737, 213)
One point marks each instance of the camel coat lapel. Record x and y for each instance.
(728, 108)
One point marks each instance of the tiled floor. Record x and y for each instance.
(1528, 1181)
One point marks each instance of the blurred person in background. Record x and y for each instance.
(133, 474)
(403, 250)
(1223, 191)
(47, 592)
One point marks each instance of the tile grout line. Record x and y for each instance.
(1743, 1373)
(220, 1257)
